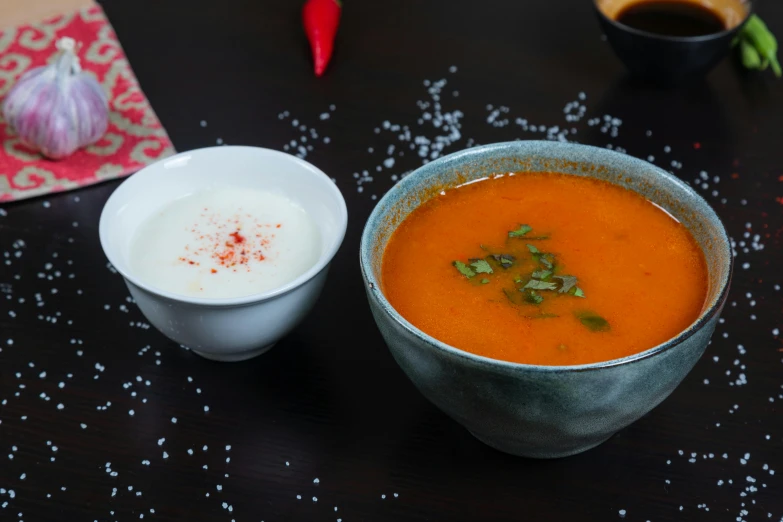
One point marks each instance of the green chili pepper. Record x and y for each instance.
(750, 56)
(756, 34)
(758, 31)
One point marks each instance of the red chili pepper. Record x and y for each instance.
(321, 18)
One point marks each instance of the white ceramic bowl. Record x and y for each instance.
(226, 329)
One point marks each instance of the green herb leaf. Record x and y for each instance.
(547, 260)
(518, 279)
(593, 321)
(533, 297)
(481, 266)
(521, 231)
(505, 260)
(541, 274)
(569, 282)
(533, 249)
(464, 269)
(539, 285)
(484, 281)
(577, 292)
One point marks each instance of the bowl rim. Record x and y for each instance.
(142, 175)
(374, 286)
(679, 39)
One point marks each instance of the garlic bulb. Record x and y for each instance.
(57, 109)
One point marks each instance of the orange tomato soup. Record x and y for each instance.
(546, 269)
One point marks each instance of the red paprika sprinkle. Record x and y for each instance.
(228, 241)
(321, 18)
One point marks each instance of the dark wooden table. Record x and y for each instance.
(325, 426)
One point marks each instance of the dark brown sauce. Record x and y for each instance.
(671, 18)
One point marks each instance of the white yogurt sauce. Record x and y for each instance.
(224, 243)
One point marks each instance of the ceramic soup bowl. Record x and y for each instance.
(224, 329)
(545, 411)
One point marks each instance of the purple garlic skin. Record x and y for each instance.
(57, 109)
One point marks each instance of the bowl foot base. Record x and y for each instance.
(234, 357)
(539, 453)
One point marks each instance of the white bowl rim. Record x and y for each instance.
(323, 260)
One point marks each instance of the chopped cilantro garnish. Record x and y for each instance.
(521, 231)
(505, 260)
(593, 321)
(464, 269)
(541, 274)
(480, 266)
(569, 282)
(530, 286)
(546, 259)
(534, 284)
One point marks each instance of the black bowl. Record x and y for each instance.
(668, 60)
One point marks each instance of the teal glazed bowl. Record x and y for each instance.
(544, 411)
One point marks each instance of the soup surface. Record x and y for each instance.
(545, 268)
